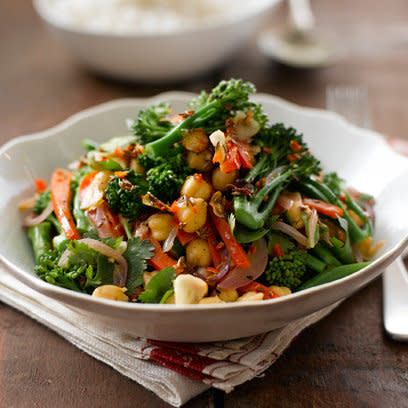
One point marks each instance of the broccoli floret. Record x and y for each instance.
(152, 123)
(47, 269)
(123, 194)
(148, 162)
(164, 183)
(288, 270)
(42, 201)
(165, 180)
(165, 176)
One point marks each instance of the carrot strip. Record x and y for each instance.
(238, 255)
(61, 198)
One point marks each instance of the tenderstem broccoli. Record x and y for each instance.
(254, 211)
(227, 96)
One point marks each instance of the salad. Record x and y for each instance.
(211, 205)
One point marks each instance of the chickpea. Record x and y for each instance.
(280, 290)
(160, 225)
(251, 296)
(211, 300)
(220, 180)
(228, 295)
(111, 292)
(200, 161)
(195, 140)
(192, 214)
(196, 187)
(198, 253)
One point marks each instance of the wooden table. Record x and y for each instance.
(345, 360)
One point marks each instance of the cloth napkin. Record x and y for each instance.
(176, 372)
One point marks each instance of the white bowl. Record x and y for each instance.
(160, 57)
(360, 156)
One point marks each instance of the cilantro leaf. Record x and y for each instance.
(158, 286)
(136, 254)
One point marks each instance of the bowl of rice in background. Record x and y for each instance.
(153, 40)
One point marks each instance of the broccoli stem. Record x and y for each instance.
(249, 212)
(126, 227)
(332, 274)
(53, 220)
(40, 237)
(161, 146)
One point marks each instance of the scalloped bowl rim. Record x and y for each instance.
(50, 290)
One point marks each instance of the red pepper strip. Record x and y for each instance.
(121, 174)
(41, 185)
(160, 259)
(258, 287)
(238, 255)
(61, 198)
(322, 207)
(295, 146)
(232, 159)
(119, 151)
(185, 237)
(213, 244)
(277, 251)
(245, 157)
(105, 221)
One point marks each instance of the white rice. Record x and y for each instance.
(137, 16)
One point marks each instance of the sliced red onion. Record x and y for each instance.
(239, 277)
(28, 203)
(313, 219)
(224, 266)
(169, 242)
(33, 219)
(120, 273)
(274, 173)
(292, 232)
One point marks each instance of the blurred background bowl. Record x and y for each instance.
(161, 57)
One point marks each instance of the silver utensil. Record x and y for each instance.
(300, 45)
(352, 103)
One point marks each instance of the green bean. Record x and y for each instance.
(325, 255)
(333, 274)
(314, 263)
